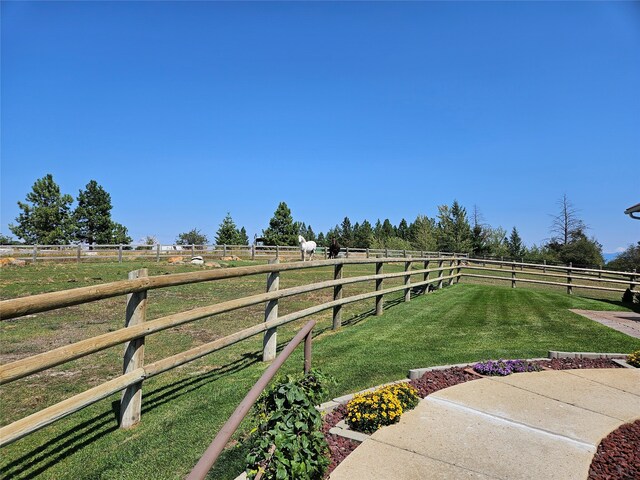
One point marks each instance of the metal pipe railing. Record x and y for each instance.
(214, 450)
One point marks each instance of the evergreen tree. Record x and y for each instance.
(454, 231)
(45, 217)
(514, 244)
(119, 234)
(92, 216)
(387, 230)
(346, 233)
(192, 237)
(321, 240)
(310, 234)
(243, 238)
(363, 235)
(281, 230)
(377, 230)
(422, 234)
(227, 233)
(479, 234)
(403, 230)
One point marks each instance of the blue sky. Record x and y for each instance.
(186, 111)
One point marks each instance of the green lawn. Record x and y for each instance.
(183, 409)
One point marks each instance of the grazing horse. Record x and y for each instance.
(334, 249)
(306, 247)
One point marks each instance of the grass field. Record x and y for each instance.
(184, 408)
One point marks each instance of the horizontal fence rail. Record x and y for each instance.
(447, 270)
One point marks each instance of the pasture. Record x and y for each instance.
(184, 408)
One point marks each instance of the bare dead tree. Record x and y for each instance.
(566, 224)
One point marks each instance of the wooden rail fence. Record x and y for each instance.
(137, 327)
(160, 252)
(448, 270)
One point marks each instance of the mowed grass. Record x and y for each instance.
(183, 409)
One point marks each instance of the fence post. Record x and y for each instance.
(386, 252)
(337, 295)
(632, 279)
(79, 253)
(35, 253)
(253, 252)
(484, 257)
(425, 276)
(224, 250)
(379, 298)
(440, 272)
(158, 253)
(544, 266)
(407, 280)
(347, 253)
(569, 287)
(307, 352)
(451, 270)
(521, 263)
(513, 274)
(367, 253)
(600, 272)
(193, 250)
(459, 262)
(131, 400)
(278, 252)
(270, 340)
(501, 260)
(120, 253)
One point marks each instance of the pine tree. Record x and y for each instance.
(514, 244)
(243, 238)
(92, 217)
(454, 231)
(387, 230)
(281, 230)
(363, 235)
(422, 233)
(227, 233)
(45, 218)
(403, 230)
(346, 233)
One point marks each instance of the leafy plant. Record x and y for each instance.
(505, 367)
(367, 412)
(288, 442)
(634, 359)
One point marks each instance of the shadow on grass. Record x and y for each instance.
(632, 306)
(41, 458)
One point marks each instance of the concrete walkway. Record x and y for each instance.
(538, 425)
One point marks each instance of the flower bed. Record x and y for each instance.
(634, 359)
(435, 380)
(505, 367)
(367, 412)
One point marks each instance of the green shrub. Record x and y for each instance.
(634, 359)
(367, 412)
(288, 420)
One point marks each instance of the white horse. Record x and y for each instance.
(306, 247)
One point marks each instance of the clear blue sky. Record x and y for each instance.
(185, 111)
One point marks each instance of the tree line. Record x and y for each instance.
(47, 218)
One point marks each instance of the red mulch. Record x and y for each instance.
(620, 454)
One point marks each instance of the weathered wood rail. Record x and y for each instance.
(523, 272)
(161, 252)
(136, 328)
